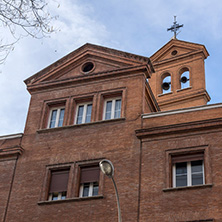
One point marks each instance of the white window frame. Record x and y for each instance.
(113, 107)
(90, 189)
(84, 112)
(189, 174)
(57, 116)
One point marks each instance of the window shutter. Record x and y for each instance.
(59, 181)
(89, 174)
(187, 157)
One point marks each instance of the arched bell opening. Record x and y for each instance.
(166, 83)
(184, 76)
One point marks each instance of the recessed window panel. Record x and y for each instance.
(188, 173)
(108, 110)
(56, 117)
(112, 108)
(84, 112)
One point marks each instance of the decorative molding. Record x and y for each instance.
(11, 151)
(92, 77)
(179, 128)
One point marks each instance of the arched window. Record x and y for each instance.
(184, 78)
(166, 83)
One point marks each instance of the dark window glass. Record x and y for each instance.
(108, 110)
(196, 166)
(117, 108)
(181, 174)
(87, 67)
(197, 172)
(55, 196)
(95, 189)
(80, 115)
(85, 189)
(53, 119)
(63, 195)
(88, 113)
(61, 117)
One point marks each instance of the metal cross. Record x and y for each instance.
(175, 27)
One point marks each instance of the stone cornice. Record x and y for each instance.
(11, 151)
(178, 58)
(190, 95)
(179, 128)
(146, 69)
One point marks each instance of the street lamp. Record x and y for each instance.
(107, 168)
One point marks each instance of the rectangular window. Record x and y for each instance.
(112, 108)
(83, 113)
(56, 117)
(188, 170)
(89, 181)
(58, 185)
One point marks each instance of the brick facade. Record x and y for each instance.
(150, 131)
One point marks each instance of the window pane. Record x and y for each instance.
(181, 168)
(117, 108)
(88, 113)
(181, 174)
(197, 172)
(80, 115)
(63, 195)
(85, 192)
(197, 179)
(55, 196)
(181, 181)
(61, 117)
(95, 189)
(53, 119)
(108, 110)
(196, 166)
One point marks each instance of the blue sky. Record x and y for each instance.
(135, 26)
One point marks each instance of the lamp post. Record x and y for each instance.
(107, 168)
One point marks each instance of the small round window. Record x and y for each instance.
(87, 67)
(174, 52)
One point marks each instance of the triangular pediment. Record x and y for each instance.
(87, 60)
(176, 49)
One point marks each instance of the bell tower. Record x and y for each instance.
(179, 78)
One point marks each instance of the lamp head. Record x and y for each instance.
(107, 167)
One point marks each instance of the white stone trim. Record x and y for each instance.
(185, 110)
(11, 136)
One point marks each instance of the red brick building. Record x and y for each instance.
(148, 116)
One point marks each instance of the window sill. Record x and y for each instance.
(179, 90)
(164, 94)
(46, 202)
(188, 187)
(78, 125)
